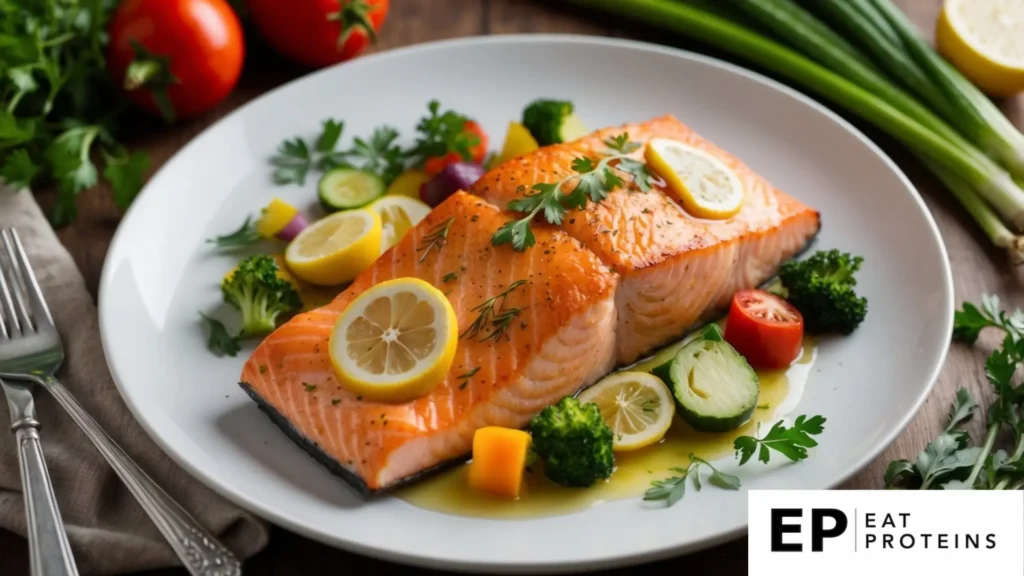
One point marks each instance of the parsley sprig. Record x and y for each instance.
(59, 109)
(295, 158)
(441, 133)
(950, 462)
(437, 134)
(672, 489)
(790, 441)
(245, 235)
(219, 340)
(592, 180)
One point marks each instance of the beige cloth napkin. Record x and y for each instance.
(109, 532)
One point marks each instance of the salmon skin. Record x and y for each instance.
(562, 341)
(615, 281)
(675, 269)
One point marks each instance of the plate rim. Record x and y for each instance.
(649, 555)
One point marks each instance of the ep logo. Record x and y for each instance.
(823, 523)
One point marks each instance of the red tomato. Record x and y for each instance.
(765, 329)
(318, 33)
(189, 50)
(434, 166)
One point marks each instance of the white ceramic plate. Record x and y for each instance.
(159, 273)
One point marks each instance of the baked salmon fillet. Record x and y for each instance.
(563, 340)
(676, 270)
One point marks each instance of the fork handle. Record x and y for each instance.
(49, 550)
(199, 552)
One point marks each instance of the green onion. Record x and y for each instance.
(808, 34)
(805, 32)
(987, 219)
(871, 30)
(977, 171)
(973, 113)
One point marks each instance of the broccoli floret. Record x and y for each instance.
(821, 288)
(260, 294)
(574, 443)
(552, 121)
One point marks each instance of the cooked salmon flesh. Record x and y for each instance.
(615, 281)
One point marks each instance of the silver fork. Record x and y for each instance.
(31, 352)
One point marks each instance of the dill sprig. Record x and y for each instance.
(436, 238)
(594, 179)
(493, 316)
(467, 377)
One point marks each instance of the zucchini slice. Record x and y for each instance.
(715, 388)
(347, 188)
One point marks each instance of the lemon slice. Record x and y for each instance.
(398, 214)
(637, 406)
(336, 249)
(984, 39)
(396, 341)
(706, 187)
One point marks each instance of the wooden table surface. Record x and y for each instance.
(976, 267)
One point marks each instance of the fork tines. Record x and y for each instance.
(23, 310)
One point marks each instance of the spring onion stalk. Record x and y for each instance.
(805, 32)
(811, 36)
(987, 219)
(975, 115)
(980, 173)
(862, 22)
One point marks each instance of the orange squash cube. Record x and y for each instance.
(499, 458)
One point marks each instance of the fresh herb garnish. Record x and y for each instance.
(309, 387)
(493, 316)
(59, 108)
(792, 442)
(441, 133)
(380, 154)
(220, 341)
(450, 277)
(435, 238)
(438, 134)
(295, 159)
(671, 490)
(594, 179)
(949, 462)
(466, 377)
(335, 401)
(292, 162)
(245, 235)
(970, 321)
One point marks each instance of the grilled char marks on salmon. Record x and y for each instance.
(563, 339)
(675, 268)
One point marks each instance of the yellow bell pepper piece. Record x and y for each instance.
(408, 184)
(518, 141)
(275, 217)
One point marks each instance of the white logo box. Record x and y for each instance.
(934, 532)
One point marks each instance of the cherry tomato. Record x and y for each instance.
(434, 166)
(318, 33)
(178, 58)
(765, 329)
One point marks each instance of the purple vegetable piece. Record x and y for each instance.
(292, 229)
(454, 177)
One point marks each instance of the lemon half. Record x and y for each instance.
(984, 39)
(637, 406)
(396, 341)
(706, 187)
(335, 249)
(398, 215)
